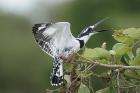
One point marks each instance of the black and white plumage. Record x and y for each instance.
(56, 40)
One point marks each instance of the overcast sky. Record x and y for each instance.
(17, 6)
(31, 9)
(20, 6)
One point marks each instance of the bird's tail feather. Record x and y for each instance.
(57, 75)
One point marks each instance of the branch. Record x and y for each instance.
(110, 65)
(118, 81)
(75, 80)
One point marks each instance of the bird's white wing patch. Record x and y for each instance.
(53, 38)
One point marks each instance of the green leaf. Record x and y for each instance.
(137, 58)
(96, 53)
(83, 89)
(118, 45)
(132, 32)
(131, 55)
(127, 36)
(132, 74)
(112, 52)
(122, 37)
(67, 78)
(105, 90)
(135, 46)
(121, 49)
(68, 67)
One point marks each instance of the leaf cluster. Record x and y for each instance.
(98, 79)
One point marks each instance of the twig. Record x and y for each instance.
(75, 80)
(118, 80)
(55, 90)
(110, 65)
(74, 77)
(107, 65)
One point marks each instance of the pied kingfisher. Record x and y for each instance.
(56, 40)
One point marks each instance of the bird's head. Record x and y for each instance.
(90, 30)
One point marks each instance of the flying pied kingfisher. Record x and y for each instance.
(56, 40)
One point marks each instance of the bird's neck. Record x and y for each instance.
(83, 40)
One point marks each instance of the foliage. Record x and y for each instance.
(113, 80)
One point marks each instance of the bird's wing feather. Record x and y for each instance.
(54, 38)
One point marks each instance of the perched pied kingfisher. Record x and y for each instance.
(56, 40)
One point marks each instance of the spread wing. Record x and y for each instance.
(53, 38)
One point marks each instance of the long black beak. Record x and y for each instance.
(101, 30)
(98, 23)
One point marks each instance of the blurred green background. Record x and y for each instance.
(24, 68)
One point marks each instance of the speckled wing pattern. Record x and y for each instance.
(54, 39)
(44, 42)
